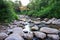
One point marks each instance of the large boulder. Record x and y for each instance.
(49, 30)
(18, 30)
(14, 37)
(3, 36)
(40, 34)
(53, 36)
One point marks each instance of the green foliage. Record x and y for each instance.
(7, 13)
(43, 8)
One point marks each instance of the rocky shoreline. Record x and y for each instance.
(27, 28)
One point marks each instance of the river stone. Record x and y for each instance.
(40, 34)
(42, 25)
(49, 30)
(29, 20)
(14, 37)
(45, 19)
(23, 19)
(3, 36)
(53, 36)
(38, 18)
(12, 26)
(49, 21)
(32, 24)
(18, 30)
(9, 31)
(37, 22)
(34, 28)
(28, 35)
(56, 21)
(18, 22)
(15, 22)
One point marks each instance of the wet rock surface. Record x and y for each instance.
(29, 28)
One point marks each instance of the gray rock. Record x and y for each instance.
(34, 28)
(9, 31)
(28, 35)
(12, 26)
(53, 36)
(18, 30)
(23, 19)
(40, 34)
(57, 21)
(46, 19)
(42, 25)
(32, 24)
(49, 30)
(18, 22)
(36, 22)
(14, 37)
(54, 22)
(3, 36)
(38, 18)
(49, 21)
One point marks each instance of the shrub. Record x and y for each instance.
(7, 13)
(43, 8)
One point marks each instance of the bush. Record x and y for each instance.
(43, 8)
(7, 13)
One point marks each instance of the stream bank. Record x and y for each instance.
(29, 28)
